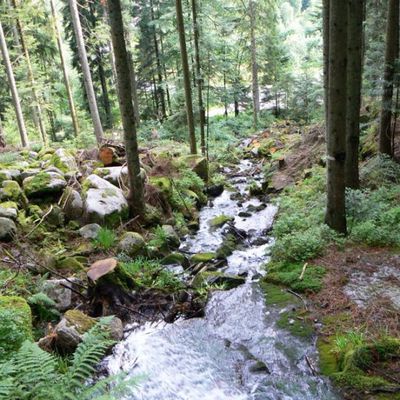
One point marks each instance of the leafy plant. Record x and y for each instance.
(43, 307)
(160, 238)
(105, 239)
(34, 374)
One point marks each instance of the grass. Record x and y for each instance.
(105, 239)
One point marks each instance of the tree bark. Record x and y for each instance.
(186, 76)
(354, 83)
(136, 197)
(391, 55)
(336, 136)
(94, 112)
(104, 90)
(64, 68)
(202, 110)
(325, 28)
(2, 137)
(36, 100)
(254, 65)
(13, 88)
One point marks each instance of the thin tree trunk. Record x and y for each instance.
(165, 75)
(13, 88)
(2, 137)
(104, 90)
(134, 90)
(36, 100)
(136, 197)
(336, 138)
(202, 110)
(160, 88)
(391, 54)
(186, 76)
(64, 68)
(354, 82)
(325, 27)
(254, 65)
(94, 112)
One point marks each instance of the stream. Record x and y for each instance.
(236, 351)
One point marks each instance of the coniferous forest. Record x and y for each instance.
(199, 199)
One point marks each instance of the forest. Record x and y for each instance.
(199, 199)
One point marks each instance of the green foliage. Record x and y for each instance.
(151, 274)
(159, 239)
(105, 239)
(43, 307)
(288, 274)
(379, 171)
(34, 374)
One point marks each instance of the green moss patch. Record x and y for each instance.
(228, 246)
(288, 274)
(220, 220)
(202, 257)
(276, 295)
(296, 324)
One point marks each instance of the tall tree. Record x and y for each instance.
(254, 65)
(202, 111)
(336, 136)
(13, 89)
(354, 82)
(98, 129)
(64, 68)
(31, 78)
(391, 55)
(325, 33)
(186, 76)
(136, 198)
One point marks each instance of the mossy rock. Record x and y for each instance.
(44, 183)
(70, 264)
(228, 246)
(198, 164)
(209, 278)
(174, 258)
(63, 160)
(10, 190)
(276, 295)
(328, 361)
(152, 215)
(9, 209)
(163, 184)
(289, 320)
(203, 257)
(220, 220)
(79, 320)
(131, 243)
(15, 324)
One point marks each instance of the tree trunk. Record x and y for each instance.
(254, 65)
(325, 28)
(133, 81)
(2, 137)
(354, 82)
(13, 88)
(136, 198)
(391, 55)
(94, 112)
(336, 135)
(186, 76)
(64, 68)
(104, 91)
(165, 75)
(202, 110)
(36, 100)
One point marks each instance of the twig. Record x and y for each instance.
(298, 296)
(73, 290)
(41, 221)
(309, 363)
(303, 271)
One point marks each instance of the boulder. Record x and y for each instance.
(15, 324)
(215, 190)
(8, 229)
(44, 183)
(114, 175)
(57, 290)
(174, 259)
(72, 204)
(26, 173)
(132, 243)
(171, 236)
(202, 257)
(10, 190)
(64, 160)
(9, 174)
(103, 202)
(9, 209)
(220, 220)
(90, 231)
(208, 278)
(198, 164)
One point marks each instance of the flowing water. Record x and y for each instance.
(236, 351)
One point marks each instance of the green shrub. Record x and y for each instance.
(380, 170)
(43, 307)
(105, 239)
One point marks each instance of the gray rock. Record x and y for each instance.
(44, 183)
(10, 190)
(103, 202)
(33, 155)
(57, 291)
(72, 204)
(131, 243)
(90, 231)
(8, 212)
(52, 168)
(8, 229)
(64, 160)
(116, 329)
(26, 173)
(113, 174)
(9, 174)
(172, 237)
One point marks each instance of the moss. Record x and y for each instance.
(220, 220)
(152, 215)
(72, 264)
(328, 361)
(296, 324)
(11, 190)
(9, 204)
(275, 295)
(209, 278)
(36, 183)
(174, 258)
(81, 321)
(15, 323)
(288, 274)
(115, 218)
(202, 257)
(109, 192)
(228, 246)
(162, 183)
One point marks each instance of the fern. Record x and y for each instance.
(33, 374)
